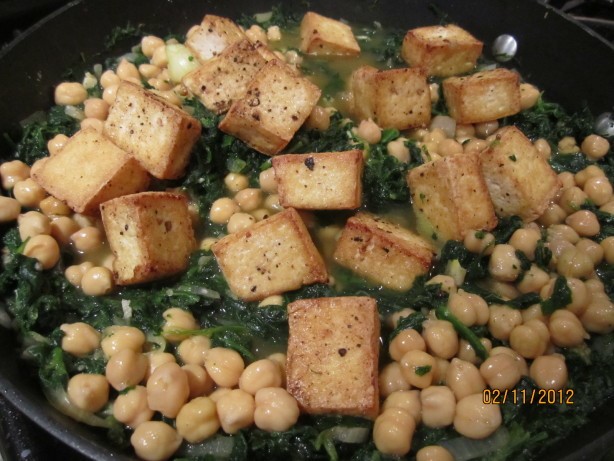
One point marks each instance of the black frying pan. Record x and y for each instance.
(571, 63)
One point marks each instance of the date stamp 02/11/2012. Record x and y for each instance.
(528, 396)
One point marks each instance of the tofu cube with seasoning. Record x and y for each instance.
(159, 135)
(271, 257)
(150, 234)
(323, 181)
(275, 106)
(442, 50)
(89, 170)
(224, 78)
(519, 180)
(483, 96)
(396, 98)
(451, 194)
(322, 36)
(332, 357)
(383, 252)
(214, 34)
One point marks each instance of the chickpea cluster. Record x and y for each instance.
(202, 388)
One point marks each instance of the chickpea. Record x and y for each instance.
(534, 280)
(80, 339)
(595, 147)
(608, 207)
(109, 94)
(467, 353)
(97, 281)
(249, 199)
(598, 189)
(273, 300)
(126, 369)
(199, 382)
(32, 224)
(438, 406)
(393, 431)
(276, 410)
(464, 378)
(608, 249)
(393, 320)
(434, 91)
(96, 108)
(584, 222)
(526, 240)
(557, 246)
(599, 315)
(236, 182)
(44, 249)
(28, 193)
(51, 206)
(272, 203)
(131, 408)
(503, 320)
(74, 274)
(260, 374)
(529, 95)
(70, 94)
(127, 71)
(109, 78)
(434, 453)
(197, 420)
(549, 371)
(222, 209)
(475, 419)
(567, 180)
(521, 363)
(474, 146)
(566, 329)
(155, 441)
(319, 119)
(533, 312)
(236, 410)
(150, 43)
(176, 318)
(543, 148)
(167, 389)
(568, 145)
(391, 379)
(441, 338)
(464, 131)
(157, 358)
(461, 306)
(573, 263)
(405, 341)
(592, 249)
(119, 337)
(448, 284)
(89, 392)
(553, 214)
(398, 149)
(441, 368)
(268, 182)
(193, 350)
(13, 172)
(500, 371)
(224, 366)
(591, 171)
(564, 232)
(148, 71)
(369, 131)
(408, 401)
(418, 367)
(479, 242)
(87, 239)
(504, 265)
(207, 243)
(62, 227)
(239, 222)
(449, 147)
(485, 129)
(256, 34)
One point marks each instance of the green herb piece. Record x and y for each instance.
(561, 296)
(421, 371)
(443, 313)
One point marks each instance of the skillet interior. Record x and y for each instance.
(568, 61)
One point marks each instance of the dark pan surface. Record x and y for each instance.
(572, 64)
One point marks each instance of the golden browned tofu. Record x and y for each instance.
(382, 252)
(159, 135)
(89, 170)
(483, 96)
(451, 194)
(332, 360)
(150, 235)
(213, 35)
(519, 180)
(396, 98)
(322, 36)
(271, 257)
(224, 78)
(277, 103)
(442, 50)
(323, 181)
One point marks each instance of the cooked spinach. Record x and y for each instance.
(561, 296)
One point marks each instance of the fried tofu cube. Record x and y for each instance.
(323, 181)
(322, 36)
(451, 194)
(159, 135)
(150, 234)
(483, 96)
(271, 257)
(442, 50)
(214, 34)
(396, 98)
(224, 78)
(275, 106)
(382, 252)
(89, 170)
(519, 180)
(332, 359)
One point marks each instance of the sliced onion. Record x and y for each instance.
(263, 17)
(180, 61)
(464, 449)
(58, 398)
(204, 292)
(218, 447)
(445, 123)
(346, 434)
